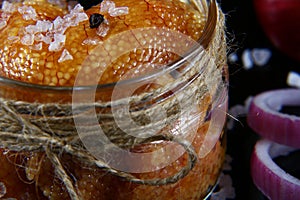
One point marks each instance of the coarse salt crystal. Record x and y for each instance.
(58, 43)
(77, 9)
(261, 56)
(40, 37)
(37, 46)
(65, 56)
(28, 12)
(76, 16)
(14, 39)
(69, 19)
(4, 19)
(81, 17)
(103, 29)
(91, 41)
(27, 39)
(106, 6)
(71, 5)
(109, 7)
(43, 25)
(119, 11)
(293, 79)
(5, 16)
(233, 58)
(59, 25)
(247, 59)
(8, 7)
(226, 191)
(3, 24)
(31, 29)
(47, 39)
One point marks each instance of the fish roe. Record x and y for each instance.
(39, 56)
(47, 44)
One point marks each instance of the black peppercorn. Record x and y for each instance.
(95, 20)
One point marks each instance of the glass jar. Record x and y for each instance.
(160, 135)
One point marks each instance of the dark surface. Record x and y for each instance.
(244, 32)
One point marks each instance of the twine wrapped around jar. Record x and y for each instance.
(50, 128)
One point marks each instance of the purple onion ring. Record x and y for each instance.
(264, 116)
(269, 178)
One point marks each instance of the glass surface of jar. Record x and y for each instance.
(155, 135)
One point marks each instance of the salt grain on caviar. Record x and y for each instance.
(77, 9)
(43, 26)
(40, 37)
(5, 16)
(109, 7)
(71, 5)
(75, 16)
(27, 39)
(58, 43)
(106, 6)
(14, 39)
(79, 14)
(65, 56)
(80, 17)
(91, 41)
(119, 11)
(40, 26)
(4, 19)
(3, 24)
(31, 29)
(103, 29)
(8, 7)
(54, 31)
(37, 47)
(59, 25)
(28, 12)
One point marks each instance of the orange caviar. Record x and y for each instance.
(31, 176)
(54, 57)
(23, 62)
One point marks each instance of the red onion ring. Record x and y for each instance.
(265, 119)
(268, 177)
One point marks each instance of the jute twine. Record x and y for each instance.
(50, 128)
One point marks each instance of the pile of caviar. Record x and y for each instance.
(47, 44)
(50, 44)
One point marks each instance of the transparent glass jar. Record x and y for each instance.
(156, 136)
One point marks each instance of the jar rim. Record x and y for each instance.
(203, 41)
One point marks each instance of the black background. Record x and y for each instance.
(245, 32)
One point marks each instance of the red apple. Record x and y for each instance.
(280, 19)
